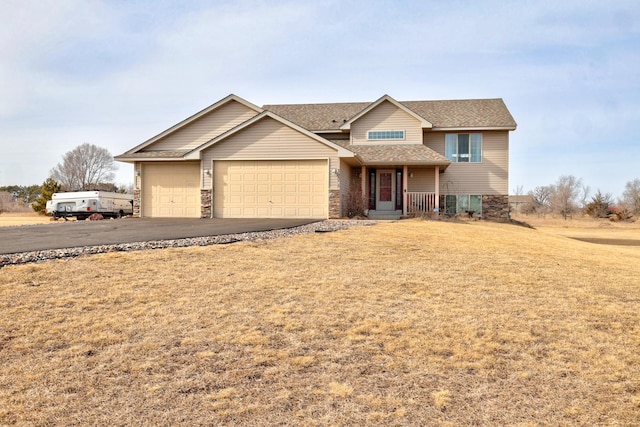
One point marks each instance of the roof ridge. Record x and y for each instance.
(370, 102)
(318, 103)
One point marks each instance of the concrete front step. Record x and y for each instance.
(384, 215)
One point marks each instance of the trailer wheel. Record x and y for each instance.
(120, 214)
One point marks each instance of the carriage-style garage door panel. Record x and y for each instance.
(271, 189)
(171, 190)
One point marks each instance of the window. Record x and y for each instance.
(462, 203)
(385, 134)
(463, 147)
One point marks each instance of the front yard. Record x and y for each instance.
(407, 323)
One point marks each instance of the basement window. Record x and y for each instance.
(377, 135)
(463, 203)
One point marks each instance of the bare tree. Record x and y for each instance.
(585, 192)
(541, 199)
(566, 195)
(85, 167)
(7, 202)
(631, 196)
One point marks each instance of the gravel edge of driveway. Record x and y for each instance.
(53, 254)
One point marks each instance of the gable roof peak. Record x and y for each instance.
(196, 116)
(195, 153)
(423, 122)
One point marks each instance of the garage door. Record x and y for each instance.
(271, 189)
(171, 190)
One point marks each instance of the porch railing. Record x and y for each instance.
(420, 202)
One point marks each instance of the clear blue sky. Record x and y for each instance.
(115, 73)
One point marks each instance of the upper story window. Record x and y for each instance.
(385, 134)
(463, 147)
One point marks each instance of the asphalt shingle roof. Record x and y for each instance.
(166, 154)
(398, 153)
(318, 116)
(442, 114)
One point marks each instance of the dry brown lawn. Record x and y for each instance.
(23, 218)
(589, 229)
(407, 323)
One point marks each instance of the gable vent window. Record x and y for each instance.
(376, 135)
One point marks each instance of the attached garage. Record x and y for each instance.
(270, 189)
(171, 189)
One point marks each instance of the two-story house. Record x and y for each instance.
(235, 159)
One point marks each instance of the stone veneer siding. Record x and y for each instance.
(136, 203)
(334, 204)
(495, 208)
(206, 198)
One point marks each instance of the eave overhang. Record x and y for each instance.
(473, 128)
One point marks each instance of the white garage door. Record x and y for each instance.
(271, 189)
(171, 190)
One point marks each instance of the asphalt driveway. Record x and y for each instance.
(128, 230)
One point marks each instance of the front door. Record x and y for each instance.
(386, 190)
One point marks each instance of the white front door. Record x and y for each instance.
(386, 190)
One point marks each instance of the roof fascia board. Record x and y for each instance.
(195, 153)
(435, 129)
(408, 163)
(424, 123)
(194, 117)
(330, 131)
(126, 159)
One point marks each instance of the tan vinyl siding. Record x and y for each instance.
(205, 128)
(487, 178)
(386, 116)
(269, 139)
(422, 180)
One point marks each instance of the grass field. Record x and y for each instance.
(407, 323)
(23, 218)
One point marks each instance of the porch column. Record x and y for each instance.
(405, 182)
(363, 184)
(437, 183)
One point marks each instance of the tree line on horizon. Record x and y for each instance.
(569, 196)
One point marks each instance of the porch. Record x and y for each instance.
(391, 192)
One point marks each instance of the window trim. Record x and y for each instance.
(392, 135)
(474, 138)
